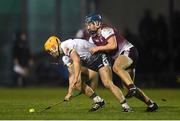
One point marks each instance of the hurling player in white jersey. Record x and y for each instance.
(124, 54)
(78, 51)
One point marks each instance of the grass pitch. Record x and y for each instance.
(15, 103)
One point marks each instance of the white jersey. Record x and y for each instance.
(80, 45)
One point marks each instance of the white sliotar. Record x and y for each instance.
(66, 60)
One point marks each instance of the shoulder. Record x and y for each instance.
(106, 29)
(66, 46)
(106, 32)
(80, 41)
(66, 42)
(80, 34)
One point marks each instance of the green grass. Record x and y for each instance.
(14, 104)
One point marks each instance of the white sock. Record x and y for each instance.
(97, 99)
(151, 105)
(125, 105)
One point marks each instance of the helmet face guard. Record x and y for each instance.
(92, 32)
(54, 52)
(95, 19)
(52, 46)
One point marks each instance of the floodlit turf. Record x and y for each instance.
(14, 104)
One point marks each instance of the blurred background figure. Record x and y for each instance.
(22, 59)
(147, 33)
(82, 34)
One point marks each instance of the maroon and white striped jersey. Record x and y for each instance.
(106, 32)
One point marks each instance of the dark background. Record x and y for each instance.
(153, 26)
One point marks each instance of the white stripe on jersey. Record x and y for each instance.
(107, 32)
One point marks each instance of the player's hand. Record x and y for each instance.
(93, 50)
(67, 97)
(66, 60)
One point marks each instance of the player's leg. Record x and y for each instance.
(106, 77)
(124, 63)
(85, 89)
(84, 74)
(93, 78)
(90, 76)
(152, 106)
(140, 94)
(120, 65)
(132, 73)
(88, 91)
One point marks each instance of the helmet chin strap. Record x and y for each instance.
(58, 47)
(95, 32)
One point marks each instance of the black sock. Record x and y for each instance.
(93, 95)
(131, 86)
(149, 103)
(124, 101)
(139, 95)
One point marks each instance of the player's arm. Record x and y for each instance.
(71, 77)
(111, 45)
(74, 73)
(77, 65)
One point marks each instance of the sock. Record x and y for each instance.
(93, 95)
(139, 95)
(150, 103)
(131, 86)
(96, 98)
(124, 104)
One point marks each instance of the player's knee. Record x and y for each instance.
(116, 69)
(108, 85)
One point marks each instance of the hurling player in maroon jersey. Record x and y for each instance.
(124, 55)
